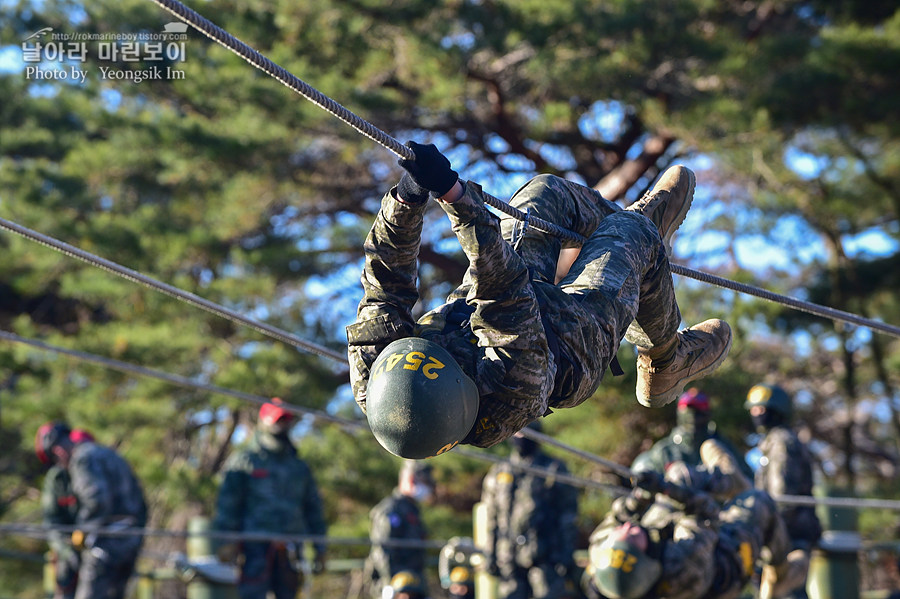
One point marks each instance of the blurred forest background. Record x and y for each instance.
(226, 184)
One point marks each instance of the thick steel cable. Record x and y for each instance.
(804, 306)
(252, 56)
(185, 296)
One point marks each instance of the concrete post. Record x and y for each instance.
(834, 564)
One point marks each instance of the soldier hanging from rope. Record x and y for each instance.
(535, 322)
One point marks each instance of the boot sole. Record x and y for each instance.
(679, 218)
(658, 401)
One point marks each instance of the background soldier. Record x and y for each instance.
(398, 517)
(530, 523)
(693, 426)
(267, 488)
(60, 508)
(106, 495)
(785, 465)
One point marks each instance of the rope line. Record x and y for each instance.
(185, 296)
(252, 56)
(890, 504)
(43, 531)
(803, 306)
(547, 439)
(545, 473)
(174, 379)
(351, 424)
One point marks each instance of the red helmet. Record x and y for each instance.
(694, 398)
(48, 435)
(80, 436)
(274, 417)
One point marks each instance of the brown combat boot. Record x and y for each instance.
(668, 202)
(693, 353)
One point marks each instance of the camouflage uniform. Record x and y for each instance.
(681, 446)
(786, 469)
(268, 488)
(396, 517)
(60, 508)
(530, 527)
(529, 344)
(108, 496)
(703, 558)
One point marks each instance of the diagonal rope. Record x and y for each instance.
(225, 39)
(547, 439)
(252, 56)
(219, 310)
(174, 379)
(575, 481)
(301, 410)
(803, 306)
(185, 296)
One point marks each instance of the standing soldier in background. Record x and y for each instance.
(106, 496)
(693, 426)
(530, 523)
(785, 466)
(60, 508)
(398, 518)
(267, 488)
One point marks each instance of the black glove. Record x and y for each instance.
(703, 506)
(648, 480)
(430, 170)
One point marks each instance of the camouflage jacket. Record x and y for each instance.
(59, 506)
(492, 324)
(675, 448)
(530, 518)
(786, 468)
(105, 487)
(269, 491)
(396, 517)
(702, 557)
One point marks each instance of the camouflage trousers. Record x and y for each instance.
(621, 279)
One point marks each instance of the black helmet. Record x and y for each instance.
(772, 397)
(622, 571)
(419, 401)
(48, 435)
